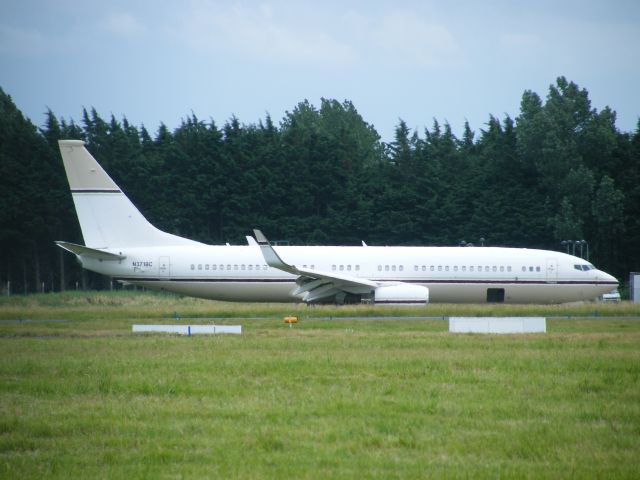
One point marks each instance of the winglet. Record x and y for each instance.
(270, 255)
(260, 238)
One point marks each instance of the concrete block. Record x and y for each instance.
(498, 324)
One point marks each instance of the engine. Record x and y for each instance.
(403, 294)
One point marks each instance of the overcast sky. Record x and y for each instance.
(156, 61)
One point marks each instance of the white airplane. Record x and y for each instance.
(122, 244)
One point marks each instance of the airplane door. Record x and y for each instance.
(164, 267)
(552, 270)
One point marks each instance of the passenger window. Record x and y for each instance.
(250, 267)
(495, 269)
(401, 268)
(348, 268)
(446, 268)
(455, 268)
(357, 268)
(206, 266)
(508, 269)
(379, 268)
(531, 269)
(393, 268)
(242, 266)
(199, 266)
(471, 268)
(341, 267)
(432, 268)
(439, 268)
(333, 267)
(228, 267)
(486, 268)
(193, 267)
(537, 269)
(524, 269)
(386, 268)
(502, 269)
(312, 267)
(415, 268)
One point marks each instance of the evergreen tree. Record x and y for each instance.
(560, 171)
(31, 215)
(566, 224)
(608, 210)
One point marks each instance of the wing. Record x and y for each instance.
(315, 285)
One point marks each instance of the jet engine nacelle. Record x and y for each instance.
(403, 294)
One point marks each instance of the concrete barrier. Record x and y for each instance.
(189, 329)
(498, 324)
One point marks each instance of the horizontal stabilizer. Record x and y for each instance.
(89, 252)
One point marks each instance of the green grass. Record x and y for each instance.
(81, 396)
(145, 305)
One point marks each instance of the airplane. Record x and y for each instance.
(121, 243)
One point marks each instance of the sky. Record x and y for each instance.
(418, 60)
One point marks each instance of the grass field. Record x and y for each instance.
(81, 396)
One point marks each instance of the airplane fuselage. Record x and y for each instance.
(121, 243)
(452, 274)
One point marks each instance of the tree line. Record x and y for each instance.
(561, 170)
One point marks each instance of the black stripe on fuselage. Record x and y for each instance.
(508, 282)
(205, 280)
(95, 190)
(422, 282)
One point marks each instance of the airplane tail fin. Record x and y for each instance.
(107, 217)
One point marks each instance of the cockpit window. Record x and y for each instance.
(584, 268)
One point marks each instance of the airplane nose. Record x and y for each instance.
(605, 277)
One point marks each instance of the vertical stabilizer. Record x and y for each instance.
(107, 217)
